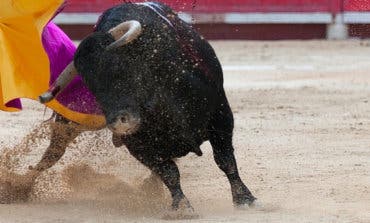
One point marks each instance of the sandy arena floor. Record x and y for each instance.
(302, 139)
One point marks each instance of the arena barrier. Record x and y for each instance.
(244, 19)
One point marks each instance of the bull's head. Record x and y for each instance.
(123, 121)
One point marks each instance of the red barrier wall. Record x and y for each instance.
(218, 6)
(247, 30)
(356, 5)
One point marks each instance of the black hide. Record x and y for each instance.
(171, 78)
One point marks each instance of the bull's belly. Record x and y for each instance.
(163, 137)
(158, 147)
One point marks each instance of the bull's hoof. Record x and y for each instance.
(184, 211)
(243, 201)
(14, 188)
(187, 213)
(179, 215)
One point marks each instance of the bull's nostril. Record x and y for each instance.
(123, 119)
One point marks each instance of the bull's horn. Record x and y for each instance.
(125, 33)
(61, 82)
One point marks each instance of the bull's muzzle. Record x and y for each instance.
(124, 124)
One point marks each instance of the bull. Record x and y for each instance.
(160, 86)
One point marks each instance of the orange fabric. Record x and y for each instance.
(24, 64)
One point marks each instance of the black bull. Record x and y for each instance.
(161, 92)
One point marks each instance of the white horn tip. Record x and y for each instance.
(46, 97)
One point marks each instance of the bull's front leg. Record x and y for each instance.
(63, 132)
(170, 175)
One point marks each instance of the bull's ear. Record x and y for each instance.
(125, 33)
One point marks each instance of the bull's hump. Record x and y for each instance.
(158, 9)
(186, 44)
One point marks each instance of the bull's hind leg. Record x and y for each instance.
(220, 135)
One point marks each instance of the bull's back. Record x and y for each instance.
(177, 37)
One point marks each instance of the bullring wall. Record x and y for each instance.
(245, 19)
